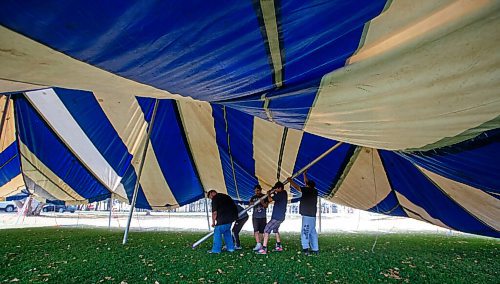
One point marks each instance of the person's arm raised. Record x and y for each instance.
(293, 184)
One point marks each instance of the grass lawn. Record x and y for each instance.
(66, 255)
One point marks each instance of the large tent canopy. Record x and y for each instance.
(246, 92)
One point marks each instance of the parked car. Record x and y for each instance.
(8, 206)
(58, 208)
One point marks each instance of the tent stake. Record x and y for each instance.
(139, 173)
(266, 195)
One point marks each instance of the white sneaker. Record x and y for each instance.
(257, 247)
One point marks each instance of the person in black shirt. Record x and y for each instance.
(224, 212)
(259, 219)
(308, 208)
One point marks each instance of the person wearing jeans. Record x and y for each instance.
(222, 231)
(224, 212)
(308, 208)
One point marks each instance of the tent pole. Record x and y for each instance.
(139, 173)
(319, 212)
(110, 207)
(4, 115)
(208, 218)
(299, 172)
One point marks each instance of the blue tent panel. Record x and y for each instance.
(474, 162)
(52, 152)
(406, 179)
(10, 164)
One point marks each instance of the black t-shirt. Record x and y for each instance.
(279, 208)
(225, 207)
(308, 202)
(259, 211)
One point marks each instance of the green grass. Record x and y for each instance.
(95, 256)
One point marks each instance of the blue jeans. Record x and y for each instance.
(219, 232)
(308, 234)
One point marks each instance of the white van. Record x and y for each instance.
(8, 206)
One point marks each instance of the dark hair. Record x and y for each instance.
(210, 191)
(278, 184)
(257, 186)
(311, 183)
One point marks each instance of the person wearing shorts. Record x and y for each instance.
(280, 199)
(259, 219)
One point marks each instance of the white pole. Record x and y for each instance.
(208, 218)
(319, 212)
(110, 207)
(285, 182)
(139, 173)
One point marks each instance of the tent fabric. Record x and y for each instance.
(49, 162)
(396, 75)
(260, 89)
(230, 151)
(18, 196)
(11, 181)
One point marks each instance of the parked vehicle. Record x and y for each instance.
(58, 208)
(8, 206)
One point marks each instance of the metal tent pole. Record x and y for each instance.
(110, 207)
(266, 195)
(319, 212)
(139, 173)
(208, 218)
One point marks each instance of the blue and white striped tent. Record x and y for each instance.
(250, 91)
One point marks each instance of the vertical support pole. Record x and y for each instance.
(208, 218)
(4, 115)
(319, 212)
(110, 207)
(139, 173)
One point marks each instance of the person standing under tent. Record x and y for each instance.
(280, 199)
(308, 208)
(238, 225)
(259, 219)
(224, 212)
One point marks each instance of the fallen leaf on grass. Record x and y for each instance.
(220, 271)
(392, 273)
(14, 280)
